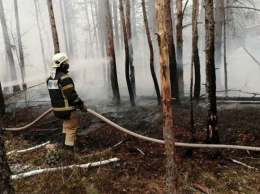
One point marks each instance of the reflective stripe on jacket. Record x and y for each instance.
(64, 97)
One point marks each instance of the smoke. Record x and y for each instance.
(89, 67)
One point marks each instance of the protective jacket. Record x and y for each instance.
(64, 97)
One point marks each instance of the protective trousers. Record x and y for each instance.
(70, 129)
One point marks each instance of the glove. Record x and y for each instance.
(83, 108)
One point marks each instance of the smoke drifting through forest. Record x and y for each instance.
(88, 61)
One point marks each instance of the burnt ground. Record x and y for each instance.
(141, 168)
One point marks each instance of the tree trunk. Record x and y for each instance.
(179, 46)
(168, 135)
(218, 38)
(130, 43)
(88, 44)
(2, 103)
(5, 186)
(8, 48)
(73, 30)
(172, 54)
(67, 10)
(95, 25)
(225, 47)
(212, 133)
(20, 45)
(64, 28)
(130, 90)
(103, 40)
(53, 27)
(194, 60)
(40, 36)
(156, 85)
(117, 37)
(195, 51)
(111, 55)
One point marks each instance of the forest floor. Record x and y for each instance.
(141, 168)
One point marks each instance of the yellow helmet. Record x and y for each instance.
(58, 59)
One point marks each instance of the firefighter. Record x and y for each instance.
(64, 99)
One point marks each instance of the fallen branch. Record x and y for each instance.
(243, 164)
(140, 151)
(88, 165)
(202, 188)
(119, 143)
(27, 150)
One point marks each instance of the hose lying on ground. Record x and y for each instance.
(144, 137)
(30, 124)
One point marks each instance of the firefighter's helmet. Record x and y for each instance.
(58, 59)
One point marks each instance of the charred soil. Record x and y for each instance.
(141, 168)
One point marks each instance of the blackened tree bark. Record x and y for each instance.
(179, 46)
(53, 27)
(2, 102)
(172, 54)
(40, 36)
(111, 54)
(168, 134)
(156, 85)
(5, 186)
(130, 90)
(8, 48)
(212, 132)
(20, 45)
(195, 51)
(130, 43)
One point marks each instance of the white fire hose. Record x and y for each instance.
(143, 137)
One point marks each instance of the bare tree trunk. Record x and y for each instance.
(5, 185)
(53, 27)
(40, 36)
(111, 55)
(67, 10)
(2, 102)
(225, 47)
(180, 46)
(95, 25)
(172, 54)
(156, 85)
(130, 43)
(116, 26)
(88, 45)
(130, 90)
(194, 60)
(195, 51)
(212, 133)
(218, 38)
(103, 39)
(8, 48)
(73, 30)
(168, 134)
(64, 27)
(133, 21)
(20, 45)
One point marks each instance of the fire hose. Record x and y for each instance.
(141, 136)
